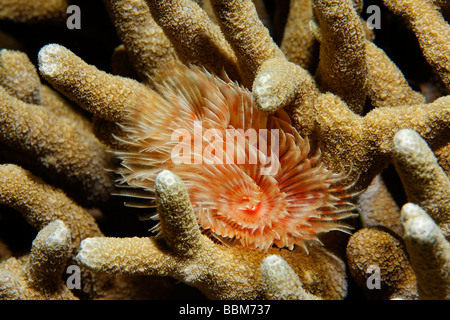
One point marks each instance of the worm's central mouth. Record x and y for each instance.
(251, 206)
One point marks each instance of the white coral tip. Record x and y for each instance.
(416, 222)
(88, 247)
(58, 233)
(48, 59)
(407, 141)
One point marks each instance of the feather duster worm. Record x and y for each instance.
(250, 176)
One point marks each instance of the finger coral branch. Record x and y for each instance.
(20, 79)
(61, 107)
(39, 274)
(425, 183)
(429, 253)
(180, 230)
(19, 76)
(196, 38)
(378, 207)
(246, 34)
(41, 203)
(431, 30)
(387, 87)
(376, 254)
(57, 145)
(385, 122)
(342, 66)
(96, 91)
(145, 42)
(218, 271)
(49, 254)
(365, 143)
(280, 83)
(299, 44)
(33, 11)
(280, 282)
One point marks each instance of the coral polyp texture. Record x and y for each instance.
(94, 116)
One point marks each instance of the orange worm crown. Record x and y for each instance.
(249, 174)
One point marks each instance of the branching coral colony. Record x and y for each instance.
(327, 82)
